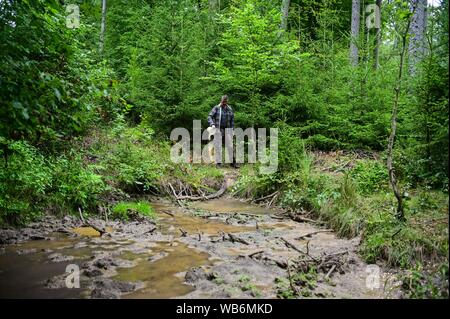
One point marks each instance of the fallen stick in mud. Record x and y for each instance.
(300, 219)
(183, 232)
(256, 253)
(167, 212)
(291, 245)
(199, 233)
(276, 217)
(313, 233)
(234, 238)
(330, 272)
(279, 263)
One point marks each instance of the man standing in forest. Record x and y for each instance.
(221, 117)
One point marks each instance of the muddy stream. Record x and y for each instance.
(222, 248)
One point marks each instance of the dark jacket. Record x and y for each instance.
(224, 115)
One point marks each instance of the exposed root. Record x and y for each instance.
(270, 196)
(185, 189)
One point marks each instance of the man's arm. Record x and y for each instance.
(211, 116)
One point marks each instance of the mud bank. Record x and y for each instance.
(223, 248)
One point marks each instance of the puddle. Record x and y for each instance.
(159, 265)
(192, 224)
(23, 276)
(58, 241)
(160, 276)
(90, 231)
(230, 205)
(86, 231)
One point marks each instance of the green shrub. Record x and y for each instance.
(24, 179)
(370, 176)
(254, 185)
(75, 185)
(322, 142)
(419, 283)
(292, 154)
(348, 191)
(122, 209)
(135, 168)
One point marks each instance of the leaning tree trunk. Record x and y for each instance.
(356, 8)
(284, 13)
(417, 43)
(103, 26)
(390, 166)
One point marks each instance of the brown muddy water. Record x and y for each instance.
(161, 263)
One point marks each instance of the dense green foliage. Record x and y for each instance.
(122, 210)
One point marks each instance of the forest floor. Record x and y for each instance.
(221, 248)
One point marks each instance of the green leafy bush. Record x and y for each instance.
(122, 209)
(370, 176)
(24, 179)
(419, 283)
(75, 184)
(134, 167)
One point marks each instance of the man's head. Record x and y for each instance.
(224, 100)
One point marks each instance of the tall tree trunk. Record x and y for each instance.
(284, 13)
(416, 48)
(376, 50)
(397, 89)
(356, 8)
(103, 26)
